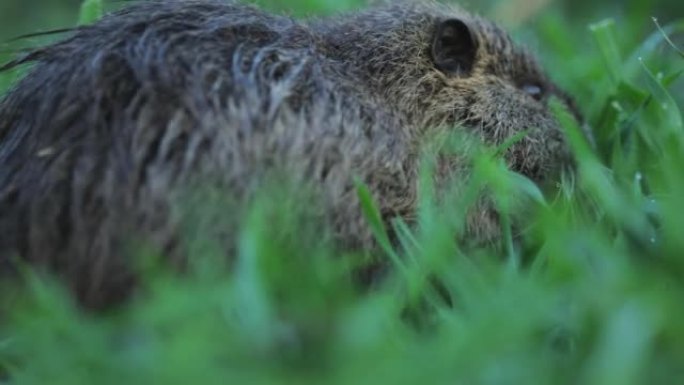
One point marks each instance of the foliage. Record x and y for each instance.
(589, 292)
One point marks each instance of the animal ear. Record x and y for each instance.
(454, 47)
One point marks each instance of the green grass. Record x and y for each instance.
(593, 295)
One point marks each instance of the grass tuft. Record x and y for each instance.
(588, 291)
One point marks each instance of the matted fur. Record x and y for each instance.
(119, 116)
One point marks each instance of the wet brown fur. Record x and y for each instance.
(116, 119)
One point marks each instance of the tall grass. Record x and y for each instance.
(592, 293)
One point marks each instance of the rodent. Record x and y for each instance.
(119, 115)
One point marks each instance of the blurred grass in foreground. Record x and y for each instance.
(594, 293)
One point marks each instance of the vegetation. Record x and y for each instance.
(592, 293)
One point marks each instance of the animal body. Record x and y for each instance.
(115, 120)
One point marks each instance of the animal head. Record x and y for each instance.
(441, 66)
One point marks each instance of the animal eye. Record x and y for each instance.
(534, 90)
